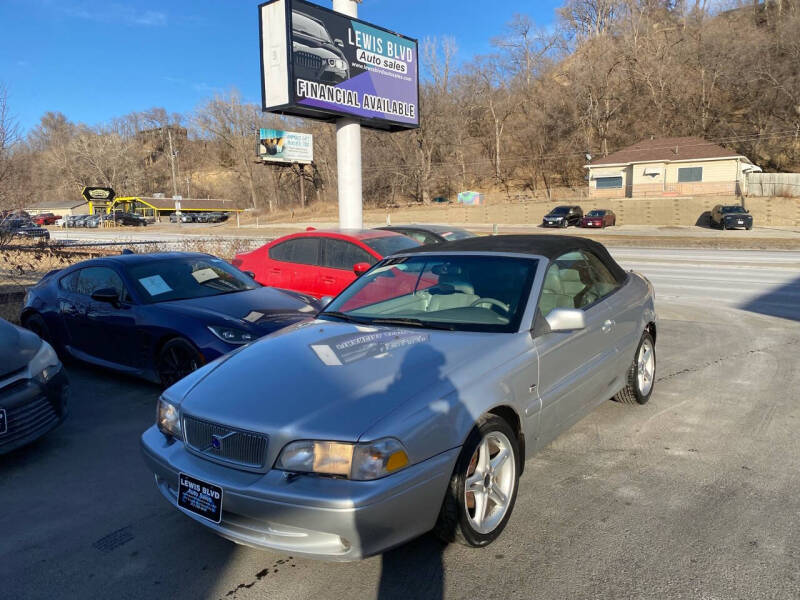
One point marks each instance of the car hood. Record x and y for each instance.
(17, 347)
(329, 380)
(262, 310)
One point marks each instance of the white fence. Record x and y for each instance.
(773, 184)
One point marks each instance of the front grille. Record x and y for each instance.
(28, 420)
(234, 446)
(310, 61)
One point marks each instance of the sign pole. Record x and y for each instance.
(348, 152)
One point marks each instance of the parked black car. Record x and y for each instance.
(563, 216)
(731, 217)
(22, 227)
(33, 387)
(129, 218)
(430, 234)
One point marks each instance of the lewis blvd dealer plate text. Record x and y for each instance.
(200, 498)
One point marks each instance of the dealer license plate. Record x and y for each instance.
(200, 498)
(741, 222)
(3, 422)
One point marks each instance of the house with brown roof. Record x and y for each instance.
(680, 166)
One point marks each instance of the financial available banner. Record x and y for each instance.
(321, 64)
(275, 145)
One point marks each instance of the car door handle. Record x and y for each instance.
(608, 326)
(328, 280)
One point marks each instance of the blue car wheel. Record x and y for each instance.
(176, 359)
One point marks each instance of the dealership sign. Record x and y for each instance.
(105, 194)
(275, 145)
(321, 64)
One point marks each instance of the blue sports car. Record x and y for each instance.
(157, 316)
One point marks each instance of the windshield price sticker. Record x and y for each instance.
(203, 275)
(155, 285)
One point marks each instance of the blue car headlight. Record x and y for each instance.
(231, 334)
(45, 364)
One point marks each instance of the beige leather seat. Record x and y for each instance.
(553, 293)
(571, 282)
(463, 295)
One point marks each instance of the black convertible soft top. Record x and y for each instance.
(549, 246)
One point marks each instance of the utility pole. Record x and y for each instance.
(348, 152)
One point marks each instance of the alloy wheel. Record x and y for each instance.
(490, 481)
(645, 367)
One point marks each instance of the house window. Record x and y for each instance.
(690, 174)
(608, 183)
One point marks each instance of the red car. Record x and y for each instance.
(320, 263)
(46, 219)
(599, 218)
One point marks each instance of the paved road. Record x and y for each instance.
(694, 495)
(763, 282)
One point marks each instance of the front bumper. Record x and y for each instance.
(738, 223)
(552, 223)
(32, 409)
(320, 517)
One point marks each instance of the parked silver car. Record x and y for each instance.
(411, 402)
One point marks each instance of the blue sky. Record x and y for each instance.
(97, 59)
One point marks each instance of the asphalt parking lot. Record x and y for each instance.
(694, 495)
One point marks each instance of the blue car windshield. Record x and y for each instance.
(731, 210)
(459, 293)
(182, 278)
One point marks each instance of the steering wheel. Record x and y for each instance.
(501, 305)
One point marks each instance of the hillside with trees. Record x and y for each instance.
(519, 121)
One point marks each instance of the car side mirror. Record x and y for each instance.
(325, 300)
(250, 274)
(360, 268)
(566, 319)
(339, 43)
(109, 295)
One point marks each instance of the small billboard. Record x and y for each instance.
(275, 145)
(322, 64)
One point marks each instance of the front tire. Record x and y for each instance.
(36, 324)
(483, 487)
(641, 375)
(176, 359)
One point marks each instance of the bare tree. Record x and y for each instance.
(9, 136)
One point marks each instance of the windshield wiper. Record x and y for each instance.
(410, 322)
(343, 316)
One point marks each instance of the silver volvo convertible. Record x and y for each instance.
(411, 402)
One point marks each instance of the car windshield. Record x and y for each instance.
(187, 277)
(457, 234)
(560, 210)
(459, 293)
(390, 244)
(732, 209)
(305, 26)
(596, 213)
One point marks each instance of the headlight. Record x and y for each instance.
(231, 335)
(361, 462)
(45, 363)
(337, 63)
(168, 419)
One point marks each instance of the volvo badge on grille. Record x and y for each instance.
(218, 439)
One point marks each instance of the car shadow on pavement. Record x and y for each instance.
(783, 302)
(415, 569)
(704, 220)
